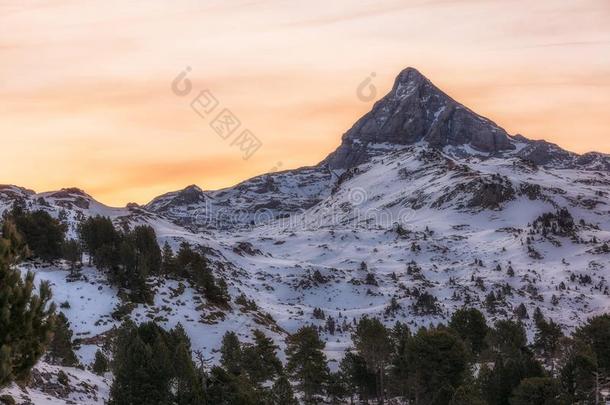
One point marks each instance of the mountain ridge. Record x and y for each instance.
(432, 117)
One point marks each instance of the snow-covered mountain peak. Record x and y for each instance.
(415, 111)
(14, 192)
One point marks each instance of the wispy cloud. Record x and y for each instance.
(360, 11)
(603, 43)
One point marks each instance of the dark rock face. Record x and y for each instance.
(532, 191)
(415, 110)
(188, 196)
(594, 161)
(548, 154)
(13, 192)
(491, 195)
(69, 197)
(543, 153)
(246, 248)
(68, 192)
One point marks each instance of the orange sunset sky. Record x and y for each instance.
(85, 97)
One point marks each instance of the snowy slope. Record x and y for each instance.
(81, 387)
(454, 212)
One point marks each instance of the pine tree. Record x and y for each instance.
(511, 359)
(153, 366)
(399, 364)
(231, 353)
(596, 334)
(507, 338)
(318, 313)
(467, 395)
(521, 312)
(100, 240)
(43, 234)
(129, 257)
(147, 249)
(72, 253)
(536, 391)
(136, 381)
(61, 349)
(188, 379)
(546, 340)
(372, 341)
(281, 392)
(225, 388)
(371, 280)
(438, 360)
(260, 360)
(358, 379)
(184, 259)
(140, 257)
(195, 267)
(331, 325)
(131, 273)
(26, 319)
(100, 363)
(470, 324)
(168, 264)
(336, 388)
(306, 362)
(577, 376)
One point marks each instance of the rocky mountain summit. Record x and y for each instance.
(417, 111)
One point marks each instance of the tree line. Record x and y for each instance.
(30, 326)
(465, 362)
(194, 266)
(128, 256)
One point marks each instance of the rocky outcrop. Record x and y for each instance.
(190, 195)
(492, 194)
